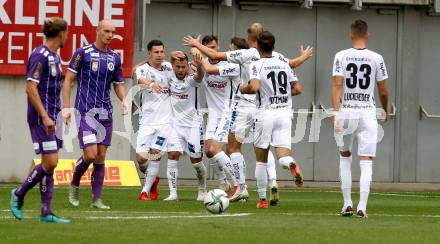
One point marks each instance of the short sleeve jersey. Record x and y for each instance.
(44, 68)
(185, 102)
(221, 88)
(156, 107)
(361, 69)
(276, 78)
(95, 70)
(244, 57)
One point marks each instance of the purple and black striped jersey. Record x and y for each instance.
(44, 68)
(95, 70)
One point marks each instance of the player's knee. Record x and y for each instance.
(90, 157)
(345, 154)
(366, 158)
(155, 154)
(195, 160)
(210, 151)
(173, 155)
(100, 158)
(141, 159)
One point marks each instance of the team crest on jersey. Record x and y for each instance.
(95, 65)
(111, 66)
(53, 69)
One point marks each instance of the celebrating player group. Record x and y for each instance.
(249, 92)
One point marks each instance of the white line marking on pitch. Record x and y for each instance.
(151, 217)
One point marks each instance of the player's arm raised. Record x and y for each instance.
(195, 42)
(198, 62)
(304, 55)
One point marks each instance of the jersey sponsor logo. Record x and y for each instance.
(95, 65)
(96, 55)
(181, 96)
(357, 97)
(228, 71)
(37, 71)
(217, 85)
(234, 55)
(356, 59)
(272, 67)
(111, 66)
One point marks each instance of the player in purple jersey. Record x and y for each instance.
(95, 67)
(43, 88)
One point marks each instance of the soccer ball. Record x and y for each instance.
(216, 201)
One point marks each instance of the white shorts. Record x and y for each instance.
(186, 139)
(218, 127)
(273, 128)
(152, 137)
(359, 125)
(243, 120)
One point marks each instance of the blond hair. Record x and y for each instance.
(254, 31)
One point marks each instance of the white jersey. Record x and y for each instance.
(184, 101)
(244, 57)
(276, 78)
(361, 69)
(221, 88)
(156, 107)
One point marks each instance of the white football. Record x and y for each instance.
(216, 201)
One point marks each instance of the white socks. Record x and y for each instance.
(172, 173)
(364, 183)
(261, 177)
(225, 163)
(271, 168)
(286, 161)
(201, 175)
(239, 165)
(152, 172)
(345, 177)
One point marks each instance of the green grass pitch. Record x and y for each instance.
(302, 216)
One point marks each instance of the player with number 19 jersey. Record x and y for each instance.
(274, 118)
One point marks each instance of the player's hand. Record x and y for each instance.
(156, 88)
(124, 106)
(197, 60)
(307, 52)
(242, 87)
(178, 55)
(191, 41)
(67, 115)
(49, 124)
(383, 116)
(337, 124)
(193, 51)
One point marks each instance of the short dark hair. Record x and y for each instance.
(153, 43)
(359, 28)
(240, 43)
(266, 42)
(209, 38)
(53, 26)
